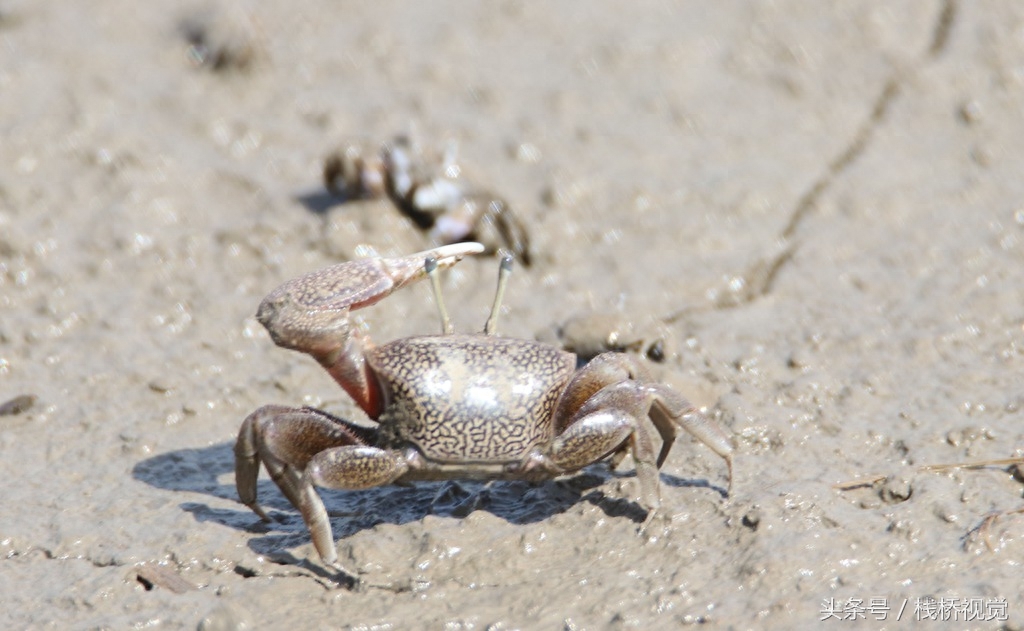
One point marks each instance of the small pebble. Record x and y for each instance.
(17, 405)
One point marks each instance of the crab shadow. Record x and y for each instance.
(320, 201)
(210, 471)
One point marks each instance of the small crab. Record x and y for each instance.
(451, 406)
(592, 334)
(438, 201)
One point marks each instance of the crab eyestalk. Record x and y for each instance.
(430, 265)
(504, 271)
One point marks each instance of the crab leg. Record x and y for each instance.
(285, 440)
(356, 467)
(598, 432)
(619, 381)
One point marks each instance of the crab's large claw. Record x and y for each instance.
(310, 313)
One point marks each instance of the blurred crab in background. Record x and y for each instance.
(589, 335)
(431, 192)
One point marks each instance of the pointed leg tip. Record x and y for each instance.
(262, 514)
(345, 578)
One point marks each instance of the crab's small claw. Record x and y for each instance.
(310, 313)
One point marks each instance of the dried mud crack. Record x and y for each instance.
(760, 278)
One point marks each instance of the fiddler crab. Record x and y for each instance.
(476, 406)
(437, 200)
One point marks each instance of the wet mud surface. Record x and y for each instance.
(818, 204)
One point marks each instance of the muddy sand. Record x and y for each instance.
(822, 203)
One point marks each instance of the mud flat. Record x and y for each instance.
(820, 202)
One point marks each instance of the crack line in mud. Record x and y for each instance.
(852, 151)
(940, 36)
(760, 278)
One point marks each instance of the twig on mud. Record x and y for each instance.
(154, 575)
(982, 530)
(1002, 462)
(859, 482)
(930, 468)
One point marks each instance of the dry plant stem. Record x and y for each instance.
(875, 479)
(1004, 462)
(858, 482)
(155, 575)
